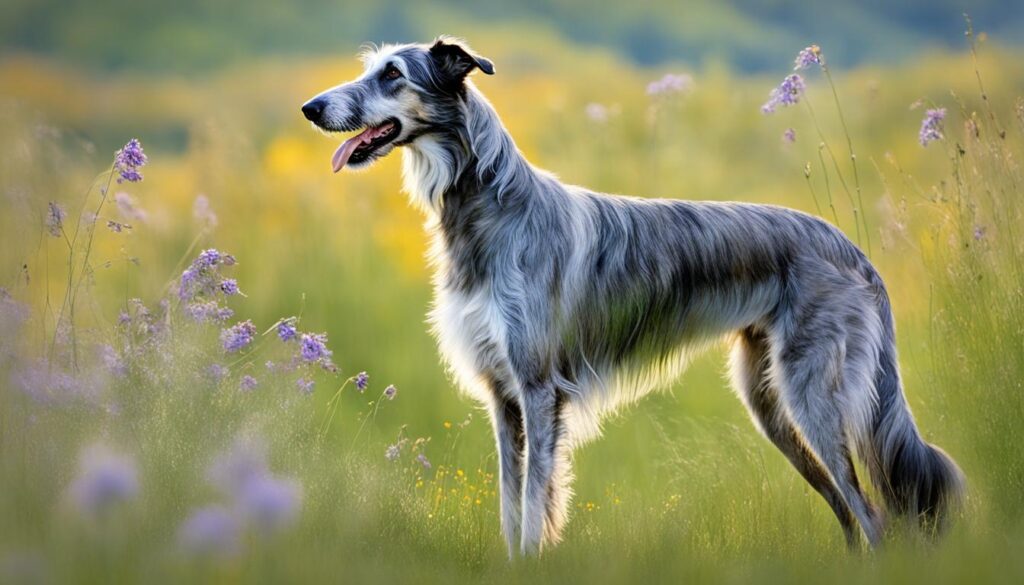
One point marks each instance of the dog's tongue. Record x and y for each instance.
(346, 149)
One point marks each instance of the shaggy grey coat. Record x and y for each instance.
(556, 305)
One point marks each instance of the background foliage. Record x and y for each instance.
(681, 486)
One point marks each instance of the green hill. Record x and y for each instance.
(750, 35)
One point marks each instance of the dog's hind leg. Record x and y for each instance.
(813, 354)
(509, 433)
(542, 423)
(750, 361)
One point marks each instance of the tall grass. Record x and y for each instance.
(359, 486)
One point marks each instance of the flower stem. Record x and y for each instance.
(810, 186)
(70, 293)
(828, 185)
(853, 157)
(835, 164)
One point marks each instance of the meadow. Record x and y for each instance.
(146, 436)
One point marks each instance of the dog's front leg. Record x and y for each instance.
(507, 418)
(539, 410)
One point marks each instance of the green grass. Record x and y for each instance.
(679, 487)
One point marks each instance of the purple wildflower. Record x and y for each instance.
(422, 459)
(229, 286)
(139, 307)
(286, 329)
(202, 312)
(55, 216)
(393, 452)
(305, 385)
(247, 383)
(129, 160)
(786, 94)
(390, 392)
(244, 462)
(46, 384)
(314, 347)
(156, 324)
(124, 318)
(113, 361)
(105, 479)
(807, 57)
(127, 207)
(979, 233)
(207, 258)
(202, 277)
(270, 504)
(210, 531)
(596, 112)
(362, 379)
(187, 284)
(238, 336)
(131, 154)
(669, 83)
(117, 227)
(217, 372)
(202, 212)
(260, 500)
(931, 126)
(789, 135)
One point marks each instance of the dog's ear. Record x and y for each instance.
(456, 61)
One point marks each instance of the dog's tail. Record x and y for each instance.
(917, 480)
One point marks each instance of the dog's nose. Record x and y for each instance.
(312, 110)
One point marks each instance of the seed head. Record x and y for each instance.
(286, 329)
(238, 336)
(105, 479)
(247, 383)
(931, 126)
(362, 380)
(55, 216)
(807, 57)
(129, 160)
(314, 347)
(786, 94)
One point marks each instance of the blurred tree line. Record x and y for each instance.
(750, 35)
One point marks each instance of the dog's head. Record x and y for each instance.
(405, 91)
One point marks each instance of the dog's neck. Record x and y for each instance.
(477, 158)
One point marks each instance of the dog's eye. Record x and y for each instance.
(392, 72)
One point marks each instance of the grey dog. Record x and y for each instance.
(555, 305)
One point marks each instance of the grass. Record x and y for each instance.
(679, 487)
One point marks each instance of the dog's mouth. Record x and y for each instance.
(364, 145)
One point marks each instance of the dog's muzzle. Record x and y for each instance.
(314, 109)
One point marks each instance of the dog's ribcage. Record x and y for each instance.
(607, 296)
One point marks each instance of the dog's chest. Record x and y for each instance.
(471, 336)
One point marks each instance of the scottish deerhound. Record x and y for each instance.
(555, 305)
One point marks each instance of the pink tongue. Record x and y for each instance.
(346, 149)
(344, 152)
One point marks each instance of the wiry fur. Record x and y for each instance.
(555, 305)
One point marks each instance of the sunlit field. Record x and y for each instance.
(215, 366)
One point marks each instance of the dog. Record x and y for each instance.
(555, 305)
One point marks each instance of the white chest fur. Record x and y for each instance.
(472, 337)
